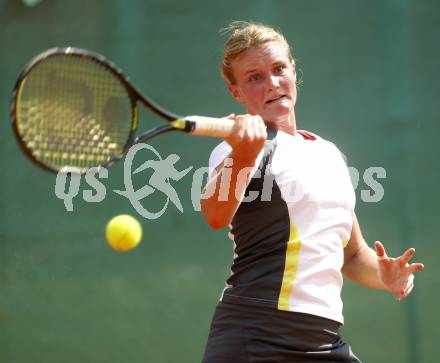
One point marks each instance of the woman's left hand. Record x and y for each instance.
(396, 274)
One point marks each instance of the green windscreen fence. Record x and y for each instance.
(370, 84)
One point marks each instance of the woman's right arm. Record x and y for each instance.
(223, 193)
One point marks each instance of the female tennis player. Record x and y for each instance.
(287, 198)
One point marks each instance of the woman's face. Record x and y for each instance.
(265, 82)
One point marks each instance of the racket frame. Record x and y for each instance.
(176, 122)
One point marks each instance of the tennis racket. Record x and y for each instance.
(72, 108)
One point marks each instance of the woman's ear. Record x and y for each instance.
(234, 91)
(294, 67)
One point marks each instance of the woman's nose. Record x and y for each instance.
(274, 81)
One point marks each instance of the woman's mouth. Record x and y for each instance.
(278, 98)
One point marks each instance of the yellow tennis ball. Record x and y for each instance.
(123, 232)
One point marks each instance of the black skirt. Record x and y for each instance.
(249, 334)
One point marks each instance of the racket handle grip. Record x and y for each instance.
(210, 126)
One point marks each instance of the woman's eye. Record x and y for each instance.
(254, 77)
(279, 69)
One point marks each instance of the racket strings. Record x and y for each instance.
(72, 111)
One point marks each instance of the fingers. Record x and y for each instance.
(231, 116)
(409, 287)
(409, 253)
(251, 126)
(402, 260)
(248, 135)
(380, 250)
(404, 295)
(406, 257)
(416, 267)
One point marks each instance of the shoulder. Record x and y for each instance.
(314, 140)
(311, 136)
(307, 135)
(329, 146)
(301, 135)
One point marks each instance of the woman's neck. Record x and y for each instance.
(287, 125)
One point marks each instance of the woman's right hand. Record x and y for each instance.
(247, 138)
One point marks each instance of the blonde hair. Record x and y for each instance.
(245, 35)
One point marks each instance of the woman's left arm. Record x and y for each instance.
(375, 269)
